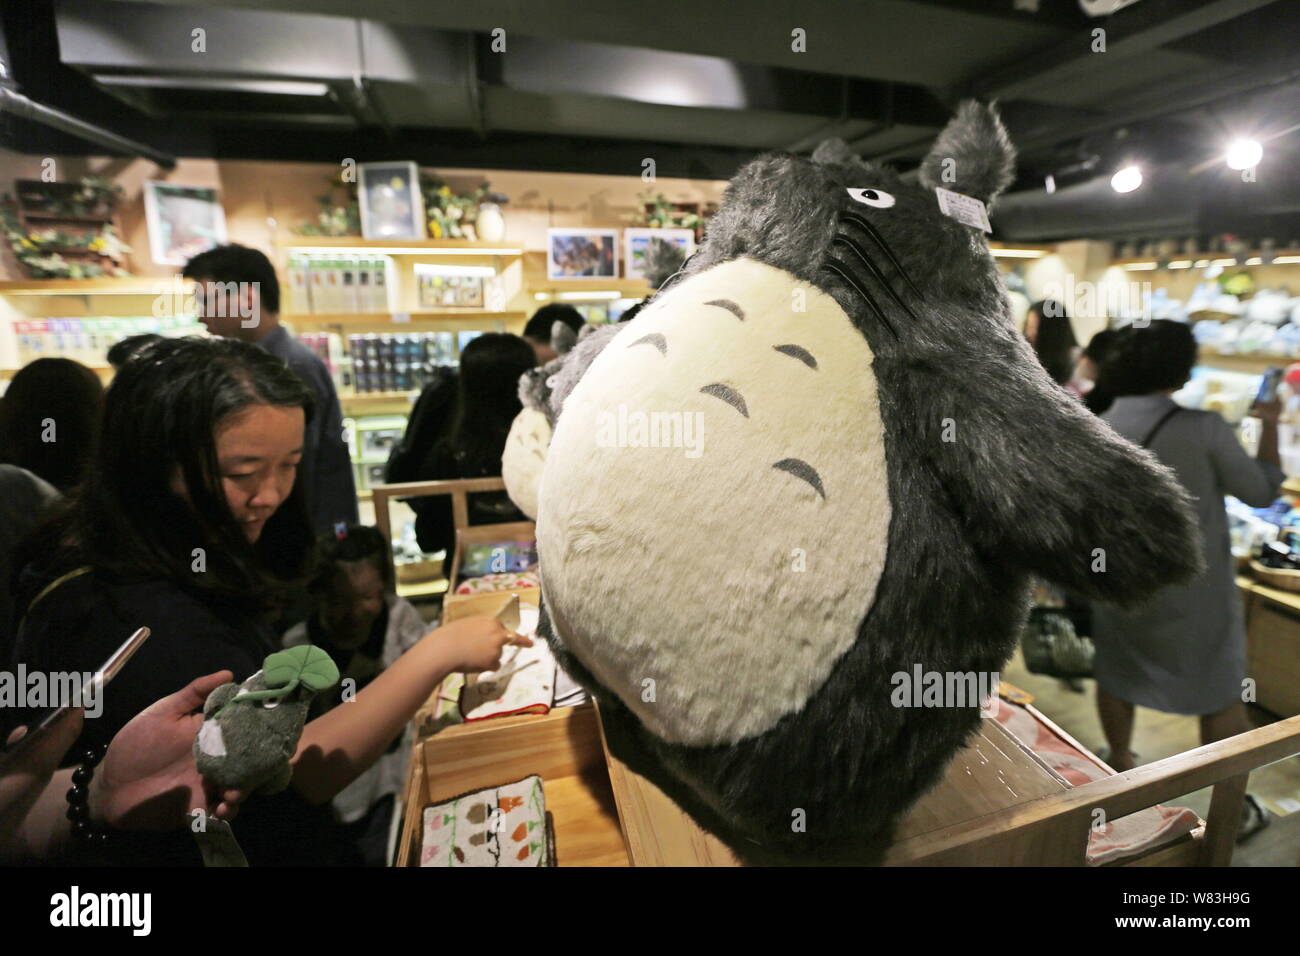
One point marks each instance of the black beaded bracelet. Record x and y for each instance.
(79, 796)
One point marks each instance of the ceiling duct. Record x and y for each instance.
(14, 103)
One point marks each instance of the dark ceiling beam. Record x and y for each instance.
(1193, 95)
(1133, 31)
(876, 39)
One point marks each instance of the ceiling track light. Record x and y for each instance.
(1126, 179)
(1243, 153)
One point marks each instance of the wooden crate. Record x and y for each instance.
(563, 747)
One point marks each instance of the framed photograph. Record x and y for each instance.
(390, 200)
(183, 221)
(582, 253)
(637, 241)
(450, 291)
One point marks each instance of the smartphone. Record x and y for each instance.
(40, 726)
(1268, 386)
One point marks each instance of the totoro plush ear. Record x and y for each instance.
(662, 261)
(834, 152)
(577, 362)
(973, 155)
(563, 337)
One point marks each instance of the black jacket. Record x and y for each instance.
(81, 622)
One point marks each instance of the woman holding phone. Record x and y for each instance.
(191, 522)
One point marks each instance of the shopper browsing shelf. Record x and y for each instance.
(238, 297)
(431, 417)
(191, 523)
(538, 331)
(487, 401)
(1185, 651)
(1048, 330)
(48, 419)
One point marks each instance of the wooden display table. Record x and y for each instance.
(1273, 645)
(997, 804)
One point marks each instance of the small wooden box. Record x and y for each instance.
(564, 747)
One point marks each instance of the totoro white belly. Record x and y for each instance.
(715, 506)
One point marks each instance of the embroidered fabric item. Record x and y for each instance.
(497, 826)
(524, 684)
(498, 582)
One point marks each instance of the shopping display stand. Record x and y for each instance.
(1273, 645)
(998, 802)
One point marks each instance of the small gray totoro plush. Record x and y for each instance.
(524, 456)
(250, 731)
(822, 459)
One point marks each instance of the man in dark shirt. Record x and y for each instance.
(238, 297)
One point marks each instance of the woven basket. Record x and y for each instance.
(1279, 578)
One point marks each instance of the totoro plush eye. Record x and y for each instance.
(872, 197)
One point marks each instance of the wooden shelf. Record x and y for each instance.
(430, 247)
(1012, 250)
(1205, 258)
(384, 321)
(1254, 362)
(360, 398)
(632, 287)
(131, 285)
(422, 589)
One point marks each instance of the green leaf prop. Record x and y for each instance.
(283, 671)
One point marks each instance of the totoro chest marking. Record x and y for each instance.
(719, 574)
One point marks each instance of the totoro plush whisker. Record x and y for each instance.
(865, 226)
(871, 267)
(840, 269)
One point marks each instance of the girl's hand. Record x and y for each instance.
(477, 643)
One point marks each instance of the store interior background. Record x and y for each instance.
(1179, 77)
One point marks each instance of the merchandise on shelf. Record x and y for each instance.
(87, 340)
(383, 362)
(441, 291)
(337, 284)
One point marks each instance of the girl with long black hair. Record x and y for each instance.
(487, 402)
(191, 523)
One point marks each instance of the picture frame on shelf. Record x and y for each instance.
(582, 253)
(392, 206)
(449, 291)
(637, 241)
(182, 221)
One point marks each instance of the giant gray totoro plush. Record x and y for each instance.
(823, 457)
